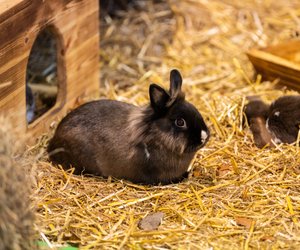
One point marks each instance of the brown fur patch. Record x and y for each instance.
(142, 132)
(179, 97)
(137, 125)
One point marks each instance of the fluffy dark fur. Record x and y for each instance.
(151, 145)
(278, 122)
(256, 108)
(256, 112)
(284, 119)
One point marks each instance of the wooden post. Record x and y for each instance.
(75, 25)
(280, 61)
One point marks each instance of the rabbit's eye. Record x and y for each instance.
(180, 122)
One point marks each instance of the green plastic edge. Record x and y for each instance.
(44, 244)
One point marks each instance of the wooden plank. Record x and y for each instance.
(16, 77)
(76, 26)
(278, 62)
(263, 56)
(6, 5)
(288, 50)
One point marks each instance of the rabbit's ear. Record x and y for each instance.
(175, 83)
(158, 97)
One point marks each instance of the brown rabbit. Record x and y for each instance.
(152, 144)
(284, 119)
(275, 123)
(256, 112)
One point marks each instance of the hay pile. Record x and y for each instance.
(16, 213)
(238, 196)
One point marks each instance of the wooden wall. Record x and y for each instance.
(281, 62)
(76, 27)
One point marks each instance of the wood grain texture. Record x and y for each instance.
(278, 62)
(75, 24)
(8, 4)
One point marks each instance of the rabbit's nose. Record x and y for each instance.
(204, 136)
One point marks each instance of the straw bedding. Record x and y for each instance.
(16, 215)
(237, 196)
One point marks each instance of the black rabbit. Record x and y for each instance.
(152, 144)
(284, 119)
(275, 123)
